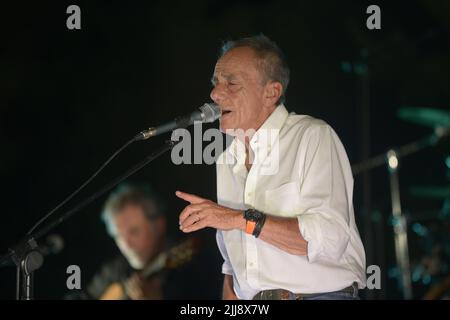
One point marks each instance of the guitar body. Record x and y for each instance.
(113, 292)
(172, 259)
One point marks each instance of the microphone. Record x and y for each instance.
(209, 112)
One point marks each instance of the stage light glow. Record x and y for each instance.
(393, 161)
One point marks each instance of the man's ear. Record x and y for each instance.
(272, 92)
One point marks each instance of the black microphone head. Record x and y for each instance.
(210, 112)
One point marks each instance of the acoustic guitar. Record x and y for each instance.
(170, 259)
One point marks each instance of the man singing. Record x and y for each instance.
(287, 233)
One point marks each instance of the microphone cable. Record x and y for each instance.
(49, 214)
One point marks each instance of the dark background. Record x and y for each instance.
(69, 98)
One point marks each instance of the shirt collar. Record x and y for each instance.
(264, 137)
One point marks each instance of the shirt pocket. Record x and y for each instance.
(283, 200)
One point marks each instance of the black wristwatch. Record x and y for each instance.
(255, 221)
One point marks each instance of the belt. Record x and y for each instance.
(281, 294)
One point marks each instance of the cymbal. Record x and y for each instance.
(433, 192)
(425, 116)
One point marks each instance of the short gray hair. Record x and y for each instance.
(125, 195)
(272, 61)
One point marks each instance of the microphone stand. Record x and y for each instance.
(26, 255)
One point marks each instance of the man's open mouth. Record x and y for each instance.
(225, 112)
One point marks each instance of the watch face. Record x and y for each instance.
(253, 215)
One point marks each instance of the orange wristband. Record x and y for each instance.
(250, 227)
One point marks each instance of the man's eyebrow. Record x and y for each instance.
(228, 77)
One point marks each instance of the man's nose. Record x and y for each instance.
(217, 94)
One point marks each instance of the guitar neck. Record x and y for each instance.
(159, 264)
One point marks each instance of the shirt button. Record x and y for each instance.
(251, 264)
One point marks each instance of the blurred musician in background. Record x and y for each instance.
(134, 218)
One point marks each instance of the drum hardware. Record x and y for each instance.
(439, 120)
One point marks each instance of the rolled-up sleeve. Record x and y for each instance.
(325, 195)
(226, 266)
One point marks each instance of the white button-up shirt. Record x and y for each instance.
(300, 169)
